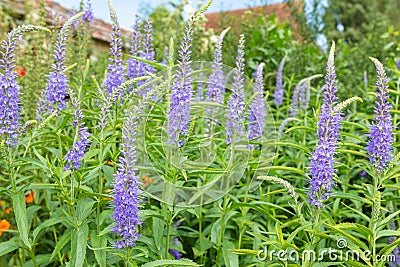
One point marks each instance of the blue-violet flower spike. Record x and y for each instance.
(322, 160)
(115, 76)
(257, 111)
(380, 145)
(9, 87)
(236, 100)
(181, 93)
(278, 94)
(126, 185)
(53, 95)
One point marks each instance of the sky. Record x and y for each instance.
(127, 9)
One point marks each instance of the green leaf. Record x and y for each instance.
(350, 237)
(61, 243)
(384, 252)
(387, 233)
(387, 219)
(29, 214)
(243, 251)
(18, 200)
(78, 245)
(158, 230)
(175, 263)
(278, 230)
(99, 242)
(41, 260)
(45, 225)
(215, 231)
(107, 230)
(7, 247)
(230, 259)
(151, 63)
(84, 207)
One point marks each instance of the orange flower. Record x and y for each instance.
(110, 162)
(21, 72)
(29, 197)
(146, 181)
(7, 211)
(106, 191)
(4, 225)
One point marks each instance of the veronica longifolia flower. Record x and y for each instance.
(322, 160)
(88, 16)
(257, 111)
(115, 76)
(216, 81)
(126, 185)
(174, 252)
(278, 94)
(146, 53)
(53, 96)
(380, 145)
(300, 98)
(76, 153)
(134, 64)
(9, 88)
(236, 100)
(181, 93)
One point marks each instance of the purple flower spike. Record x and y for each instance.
(181, 93)
(76, 153)
(216, 88)
(236, 103)
(380, 145)
(53, 96)
(322, 160)
(257, 111)
(133, 64)
(398, 64)
(126, 185)
(300, 98)
(9, 88)
(147, 53)
(174, 252)
(88, 16)
(115, 76)
(278, 94)
(362, 173)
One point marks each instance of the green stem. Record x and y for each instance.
(33, 258)
(100, 181)
(202, 259)
(225, 205)
(244, 212)
(167, 237)
(314, 238)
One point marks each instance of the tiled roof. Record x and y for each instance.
(281, 10)
(57, 14)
